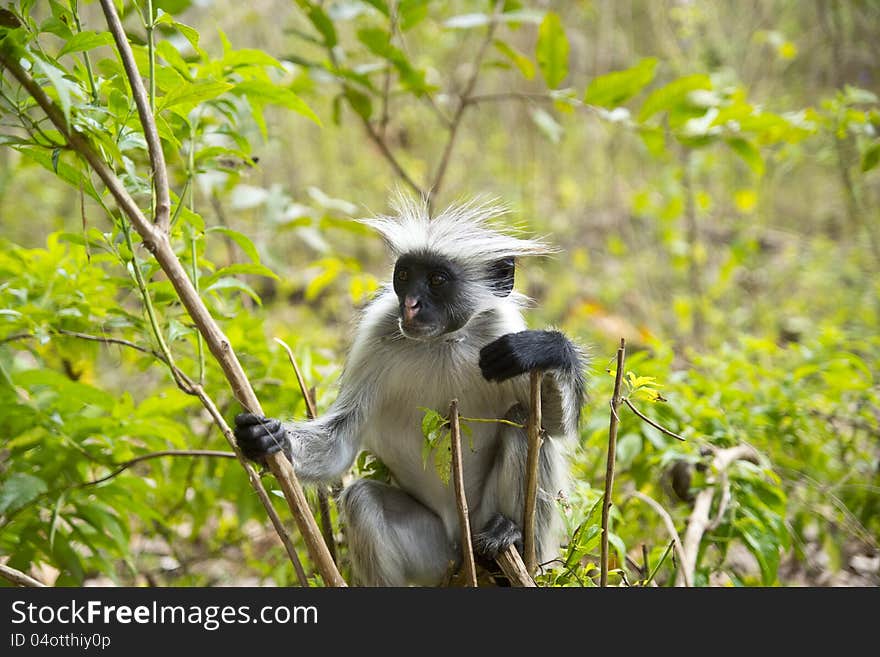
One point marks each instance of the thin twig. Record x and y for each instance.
(645, 418)
(142, 101)
(467, 548)
(312, 413)
(609, 469)
(19, 578)
(463, 104)
(122, 467)
(670, 527)
(530, 493)
(158, 243)
(653, 573)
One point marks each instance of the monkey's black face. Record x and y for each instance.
(431, 296)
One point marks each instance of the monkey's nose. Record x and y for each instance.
(411, 307)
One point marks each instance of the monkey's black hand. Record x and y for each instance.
(517, 353)
(259, 436)
(498, 534)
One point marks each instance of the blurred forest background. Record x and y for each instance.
(709, 169)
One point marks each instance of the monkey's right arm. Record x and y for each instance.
(320, 449)
(324, 448)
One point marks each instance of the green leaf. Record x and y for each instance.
(871, 157)
(235, 284)
(239, 268)
(86, 41)
(616, 88)
(749, 154)
(241, 239)
(667, 96)
(551, 50)
(411, 12)
(191, 94)
(359, 102)
(20, 489)
(169, 53)
(628, 448)
(443, 456)
(380, 5)
(63, 87)
(765, 548)
(261, 92)
(323, 24)
(523, 63)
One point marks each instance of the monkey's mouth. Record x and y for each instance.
(416, 330)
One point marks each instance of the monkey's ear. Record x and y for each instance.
(501, 273)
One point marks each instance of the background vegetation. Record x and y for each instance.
(709, 168)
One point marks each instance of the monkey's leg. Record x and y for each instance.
(394, 540)
(498, 523)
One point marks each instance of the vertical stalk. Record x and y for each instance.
(532, 463)
(151, 51)
(609, 469)
(190, 163)
(74, 9)
(467, 548)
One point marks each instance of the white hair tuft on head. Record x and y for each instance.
(463, 232)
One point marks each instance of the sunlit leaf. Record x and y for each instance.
(615, 88)
(551, 50)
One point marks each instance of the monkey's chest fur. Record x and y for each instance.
(430, 376)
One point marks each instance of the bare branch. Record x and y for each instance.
(670, 527)
(148, 121)
(463, 104)
(609, 468)
(514, 568)
(158, 243)
(311, 410)
(19, 578)
(698, 522)
(530, 497)
(650, 421)
(467, 548)
(389, 156)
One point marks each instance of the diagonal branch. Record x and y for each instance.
(19, 578)
(157, 241)
(151, 134)
(648, 420)
(122, 467)
(673, 533)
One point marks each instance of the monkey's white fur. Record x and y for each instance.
(410, 534)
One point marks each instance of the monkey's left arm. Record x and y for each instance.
(564, 383)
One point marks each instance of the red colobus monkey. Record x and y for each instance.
(448, 326)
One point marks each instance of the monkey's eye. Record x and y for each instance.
(437, 279)
(402, 275)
